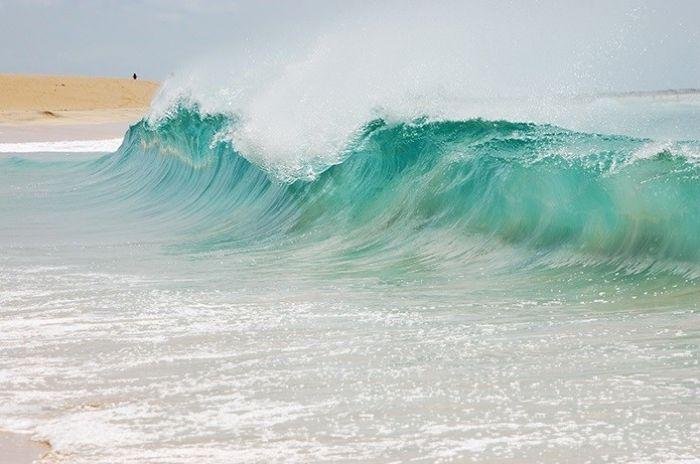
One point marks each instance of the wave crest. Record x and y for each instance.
(564, 196)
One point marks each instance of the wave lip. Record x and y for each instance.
(567, 197)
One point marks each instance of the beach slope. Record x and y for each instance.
(42, 108)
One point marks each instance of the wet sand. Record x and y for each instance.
(20, 449)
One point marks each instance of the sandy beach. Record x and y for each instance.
(56, 108)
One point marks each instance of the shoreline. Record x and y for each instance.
(20, 448)
(37, 108)
(38, 117)
(65, 132)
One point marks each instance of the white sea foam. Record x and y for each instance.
(301, 103)
(63, 146)
(117, 344)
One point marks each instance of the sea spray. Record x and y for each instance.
(437, 289)
(591, 198)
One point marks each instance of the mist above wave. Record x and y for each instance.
(304, 98)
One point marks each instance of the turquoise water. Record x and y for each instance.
(469, 290)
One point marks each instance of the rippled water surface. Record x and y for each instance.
(454, 290)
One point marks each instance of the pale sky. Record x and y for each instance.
(619, 45)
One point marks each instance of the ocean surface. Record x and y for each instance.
(428, 289)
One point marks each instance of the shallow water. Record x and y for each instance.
(452, 290)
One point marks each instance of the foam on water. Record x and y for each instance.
(411, 239)
(176, 302)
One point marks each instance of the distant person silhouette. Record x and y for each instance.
(135, 76)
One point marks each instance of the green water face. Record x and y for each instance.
(473, 290)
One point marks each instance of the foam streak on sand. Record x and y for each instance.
(68, 114)
(64, 146)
